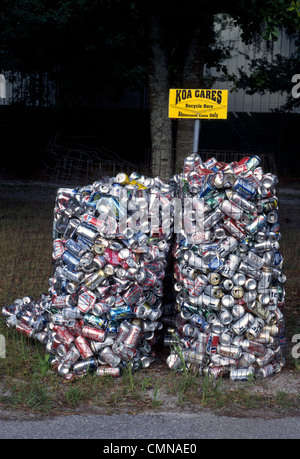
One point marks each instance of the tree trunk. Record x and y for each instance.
(161, 124)
(192, 75)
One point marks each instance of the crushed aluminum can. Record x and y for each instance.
(105, 267)
(241, 256)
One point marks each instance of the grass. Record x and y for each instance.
(27, 379)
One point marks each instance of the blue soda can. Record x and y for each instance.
(244, 188)
(70, 260)
(75, 248)
(119, 313)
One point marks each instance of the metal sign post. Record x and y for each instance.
(196, 136)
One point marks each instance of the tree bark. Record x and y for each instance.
(161, 124)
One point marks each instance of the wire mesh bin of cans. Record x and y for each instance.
(229, 287)
(104, 304)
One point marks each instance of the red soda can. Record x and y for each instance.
(66, 336)
(235, 228)
(83, 347)
(112, 257)
(133, 336)
(58, 248)
(25, 330)
(199, 284)
(86, 300)
(212, 343)
(93, 333)
(133, 295)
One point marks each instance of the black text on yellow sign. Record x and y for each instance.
(198, 103)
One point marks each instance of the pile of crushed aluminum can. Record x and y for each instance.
(104, 304)
(104, 308)
(229, 311)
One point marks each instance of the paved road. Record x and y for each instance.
(150, 426)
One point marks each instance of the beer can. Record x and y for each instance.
(114, 372)
(241, 374)
(83, 347)
(93, 333)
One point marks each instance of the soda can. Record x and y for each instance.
(229, 351)
(194, 357)
(230, 266)
(86, 300)
(238, 311)
(231, 210)
(213, 278)
(244, 188)
(241, 374)
(58, 248)
(93, 333)
(75, 248)
(225, 338)
(256, 225)
(255, 329)
(95, 279)
(215, 372)
(240, 326)
(133, 336)
(239, 279)
(87, 232)
(71, 260)
(90, 364)
(126, 353)
(83, 347)
(119, 313)
(212, 343)
(110, 357)
(263, 360)
(70, 357)
(237, 291)
(240, 201)
(235, 228)
(199, 321)
(133, 295)
(227, 301)
(114, 372)
(225, 317)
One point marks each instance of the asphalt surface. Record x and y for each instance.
(167, 426)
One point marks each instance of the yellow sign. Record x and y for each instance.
(198, 103)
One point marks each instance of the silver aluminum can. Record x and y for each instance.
(238, 311)
(241, 374)
(255, 329)
(225, 317)
(230, 351)
(239, 279)
(225, 338)
(227, 301)
(133, 336)
(241, 325)
(110, 357)
(250, 284)
(230, 266)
